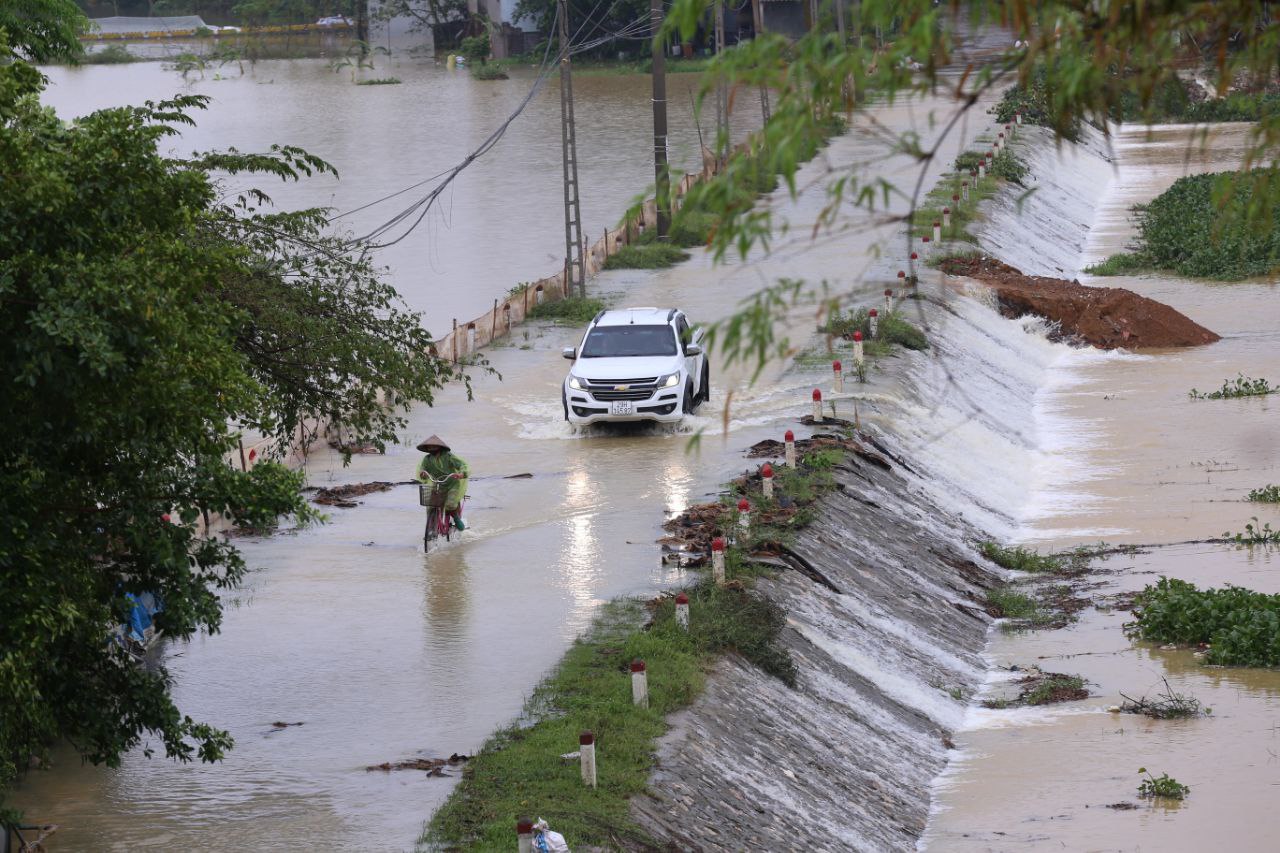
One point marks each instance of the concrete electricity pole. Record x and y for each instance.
(574, 273)
(662, 180)
(722, 88)
(757, 20)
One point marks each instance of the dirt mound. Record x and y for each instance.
(1106, 317)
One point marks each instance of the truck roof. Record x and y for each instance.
(635, 316)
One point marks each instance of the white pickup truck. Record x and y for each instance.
(636, 364)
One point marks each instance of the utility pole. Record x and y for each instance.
(362, 25)
(722, 88)
(575, 274)
(757, 21)
(662, 179)
(840, 22)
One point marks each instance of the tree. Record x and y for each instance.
(42, 29)
(145, 317)
(1090, 60)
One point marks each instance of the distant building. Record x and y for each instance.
(510, 36)
(785, 17)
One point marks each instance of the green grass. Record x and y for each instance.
(1007, 602)
(893, 328)
(646, 256)
(1255, 533)
(1240, 626)
(1123, 263)
(1241, 386)
(380, 81)
(572, 310)
(1019, 558)
(519, 772)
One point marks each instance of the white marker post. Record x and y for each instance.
(744, 514)
(717, 560)
(1018, 117)
(902, 279)
(946, 217)
(838, 370)
(817, 406)
(858, 358)
(888, 301)
(639, 684)
(524, 835)
(587, 753)
(873, 322)
(937, 232)
(1000, 141)
(964, 190)
(789, 443)
(911, 268)
(982, 168)
(682, 610)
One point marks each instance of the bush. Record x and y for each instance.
(1034, 102)
(893, 328)
(1241, 627)
(1006, 602)
(646, 256)
(573, 310)
(1164, 786)
(1241, 386)
(1199, 226)
(475, 48)
(488, 72)
(114, 54)
(1267, 494)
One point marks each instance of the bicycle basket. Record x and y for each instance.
(430, 495)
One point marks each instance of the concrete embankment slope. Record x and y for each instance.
(844, 761)
(889, 650)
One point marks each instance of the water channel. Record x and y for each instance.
(383, 653)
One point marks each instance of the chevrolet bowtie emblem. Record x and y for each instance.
(621, 387)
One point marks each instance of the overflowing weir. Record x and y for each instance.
(889, 651)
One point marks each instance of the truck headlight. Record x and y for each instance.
(574, 383)
(669, 381)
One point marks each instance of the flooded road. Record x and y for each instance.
(497, 225)
(384, 653)
(1147, 465)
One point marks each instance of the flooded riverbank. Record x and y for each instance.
(1148, 465)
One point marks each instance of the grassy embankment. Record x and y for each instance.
(519, 771)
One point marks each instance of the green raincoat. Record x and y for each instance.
(439, 465)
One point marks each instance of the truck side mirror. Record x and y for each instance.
(570, 353)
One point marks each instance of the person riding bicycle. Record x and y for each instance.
(440, 463)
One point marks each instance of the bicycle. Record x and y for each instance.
(432, 496)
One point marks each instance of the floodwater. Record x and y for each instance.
(385, 653)
(1150, 466)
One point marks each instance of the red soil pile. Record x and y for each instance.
(1106, 317)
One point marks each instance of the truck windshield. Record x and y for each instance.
(623, 341)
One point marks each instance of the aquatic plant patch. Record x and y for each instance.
(1241, 386)
(1267, 494)
(1254, 533)
(1164, 786)
(1123, 263)
(1240, 627)
(1223, 226)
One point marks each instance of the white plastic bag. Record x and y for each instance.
(546, 841)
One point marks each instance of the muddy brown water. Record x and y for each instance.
(1149, 465)
(383, 653)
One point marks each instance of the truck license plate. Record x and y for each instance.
(622, 407)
